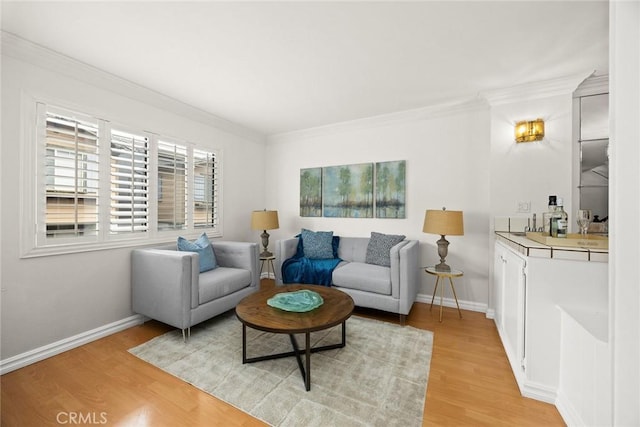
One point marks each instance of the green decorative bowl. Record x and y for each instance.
(298, 301)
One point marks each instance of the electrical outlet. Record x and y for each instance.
(524, 207)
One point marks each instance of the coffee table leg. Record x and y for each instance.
(296, 353)
(307, 380)
(244, 344)
(305, 368)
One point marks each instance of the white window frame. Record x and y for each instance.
(32, 203)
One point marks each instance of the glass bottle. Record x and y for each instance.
(562, 220)
(547, 216)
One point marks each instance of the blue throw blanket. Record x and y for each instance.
(309, 271)
(300, 269)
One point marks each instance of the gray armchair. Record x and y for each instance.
(167, 284)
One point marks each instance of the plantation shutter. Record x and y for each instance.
(71, 176)
(129, 211)
(172, 186)
(206, 192)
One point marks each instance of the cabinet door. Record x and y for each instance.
(499, 266)
(510, 290)
(514, 309)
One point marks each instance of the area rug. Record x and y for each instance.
(378, 379)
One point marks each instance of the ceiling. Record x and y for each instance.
(276, 67)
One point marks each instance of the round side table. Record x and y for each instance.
(269, 261)
(442, 274)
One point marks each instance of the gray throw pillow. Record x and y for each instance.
(379, 248)
(317, 244)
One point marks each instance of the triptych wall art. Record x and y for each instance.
(365, 190)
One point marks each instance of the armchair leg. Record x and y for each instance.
(403, 319)
(186, 334)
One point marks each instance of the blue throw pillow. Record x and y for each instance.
(317, 244)
(379, 248)
(203, 248)
(335, 243)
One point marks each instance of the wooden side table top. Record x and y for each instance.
(254, 312)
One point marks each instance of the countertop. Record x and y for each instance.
(527, 247)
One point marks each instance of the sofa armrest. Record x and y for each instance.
(238, 255)
(394, 258)
(285, 249)
(409, 275)
(161, 283)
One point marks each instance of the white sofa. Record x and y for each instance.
(393, 289)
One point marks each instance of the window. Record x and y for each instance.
(71, 177)
(172, 186)
(129, 211)
(100, 185)
(205, 204)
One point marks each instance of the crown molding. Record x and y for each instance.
(535, 90)
(593, 85)
(454, 107)
(32, 53)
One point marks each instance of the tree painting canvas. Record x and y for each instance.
(390, 189)
(347, 191)
(311, 192)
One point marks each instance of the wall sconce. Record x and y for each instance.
(528, 131)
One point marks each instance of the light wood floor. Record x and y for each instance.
(470, 383)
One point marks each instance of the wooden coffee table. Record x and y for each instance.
(254, 312)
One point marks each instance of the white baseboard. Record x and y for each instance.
(527, 388)
(568, 412)
(46, 351)
(539, 392)
(450, 302)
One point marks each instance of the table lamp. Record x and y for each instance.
(444, 223)
(264, 220)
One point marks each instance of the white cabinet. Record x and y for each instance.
(510, 292)
(528, 292)
(584, 390)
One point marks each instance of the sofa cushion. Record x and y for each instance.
(380, 246)
(353, 249)
(203, 248)
(222, 281)
(317, 244)
(364, 277)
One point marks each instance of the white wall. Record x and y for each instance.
(52, 298)
(531, 171)
(624, 208)
(447, 153)
(459, 155)
(461, 158)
